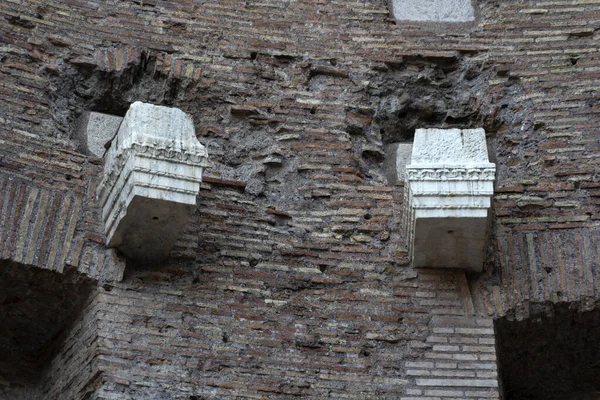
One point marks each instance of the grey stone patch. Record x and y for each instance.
(403, 156)
(445, 321)
(397, 156)
(450, 242)
(255, 186)
(150, 228)
(94, 131)
(433, 10)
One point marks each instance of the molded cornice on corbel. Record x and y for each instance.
(448, 189)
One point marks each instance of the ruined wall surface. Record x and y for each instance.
(292, 278)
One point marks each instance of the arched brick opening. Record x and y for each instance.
(37, 309)
(553, 354)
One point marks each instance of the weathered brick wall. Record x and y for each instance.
(293, 278)
(546, 209)
(324, 341)
(46, 225)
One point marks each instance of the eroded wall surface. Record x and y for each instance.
(292, 277)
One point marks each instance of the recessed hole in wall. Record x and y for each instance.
(35, 315)
(429, 92)
(551, 356)
(112, 92)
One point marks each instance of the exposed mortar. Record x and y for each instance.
(388, 103)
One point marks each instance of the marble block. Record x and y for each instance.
(449, 186)
(397, 155)
(152, 175)
(94, 131)
(433, 10)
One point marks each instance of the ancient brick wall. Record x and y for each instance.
(292, 278)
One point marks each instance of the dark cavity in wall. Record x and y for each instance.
(428, 92)
(37, 307)
(76, 90)
(454, 92)
(553, 355)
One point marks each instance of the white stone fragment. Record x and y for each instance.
(94, 131)
(449, 185)
(152, 175)
(397, 155)
(403, 155)
(433, 10)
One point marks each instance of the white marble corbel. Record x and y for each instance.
(152, 175)
(449, 186)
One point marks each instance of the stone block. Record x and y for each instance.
(94, 131)
(433, 10)
(397, 155)
(403, 155)
(450, 183)
(152, 175)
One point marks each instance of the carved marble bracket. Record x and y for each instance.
(152, 175)
(448, 190)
